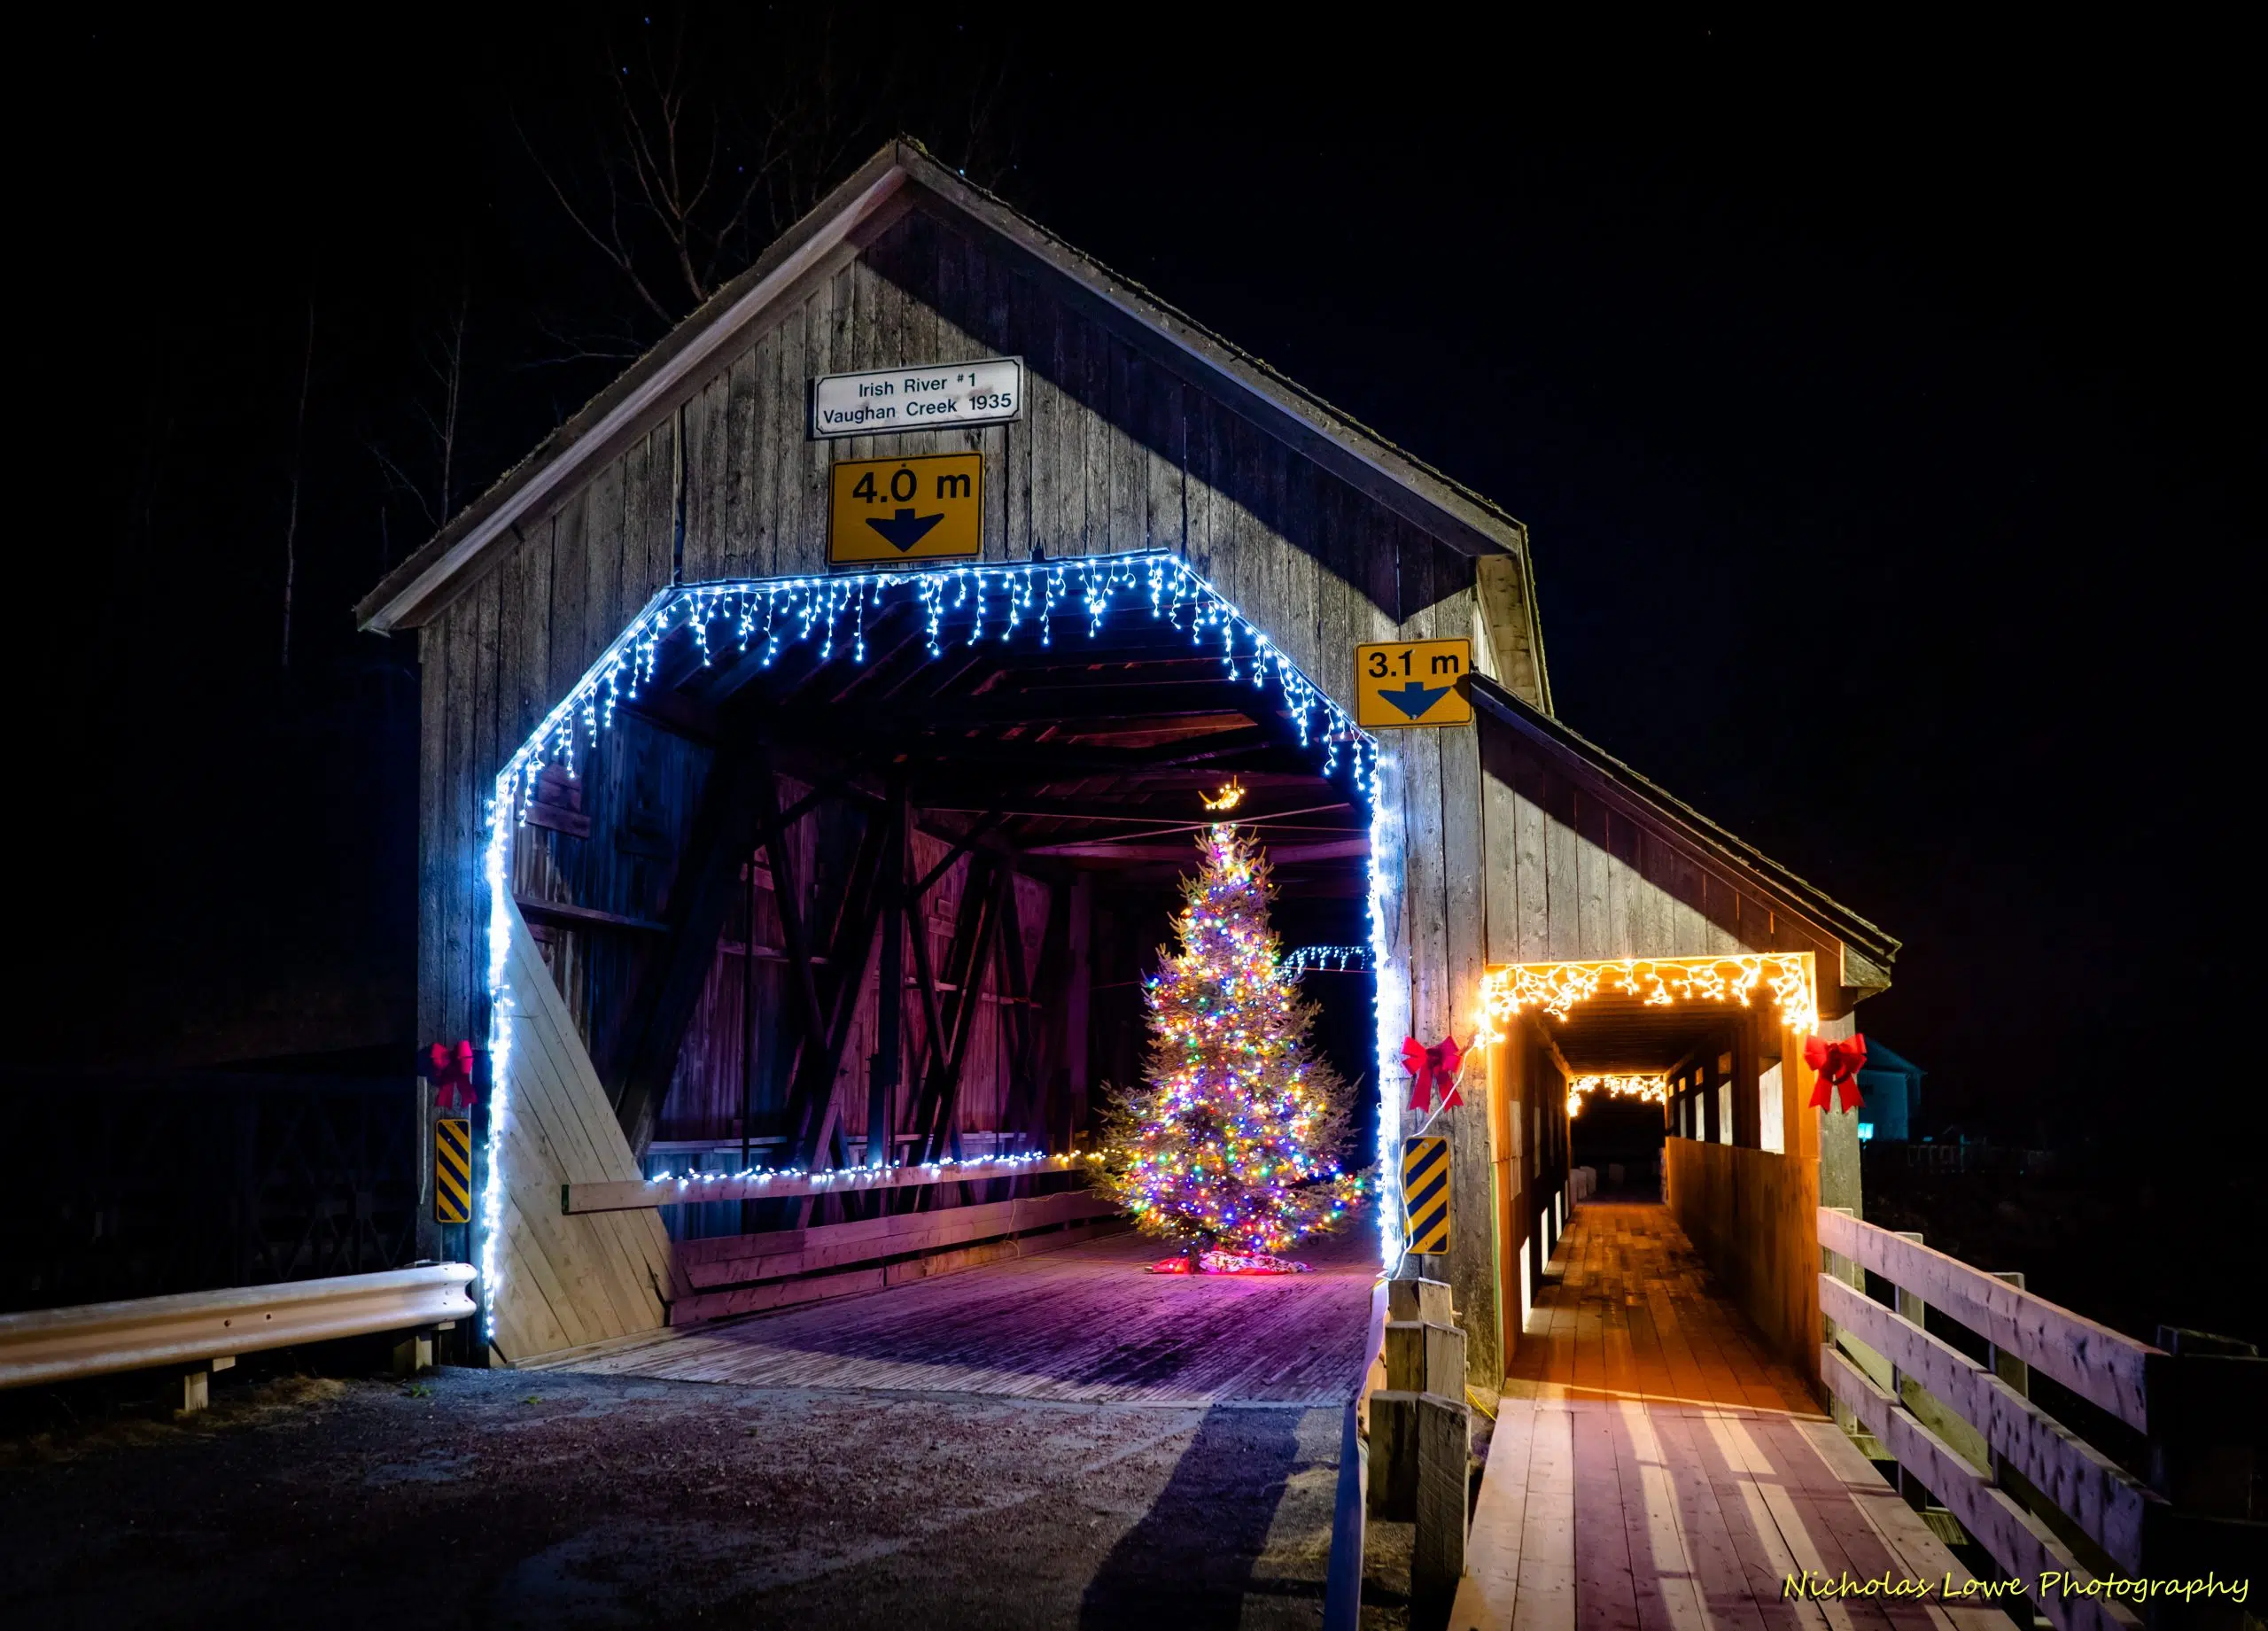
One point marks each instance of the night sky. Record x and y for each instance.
(1884, 405)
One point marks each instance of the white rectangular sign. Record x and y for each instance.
(923, 398)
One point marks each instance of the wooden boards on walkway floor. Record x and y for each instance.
(1653, 1470)
(1084, 1324)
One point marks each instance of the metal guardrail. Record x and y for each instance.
(102, 1338)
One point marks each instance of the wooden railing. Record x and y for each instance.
(2033, 1493)
(702, 1188)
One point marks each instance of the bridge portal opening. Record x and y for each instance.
(830, 875)
(1639, 1070)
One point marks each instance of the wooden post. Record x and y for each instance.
(432, 1234)
(1504, 1074)
(471, 1346)
(2011, 1369)
(197, 1383)
(1394, 1455)
(748, 1213)
(883, 1070)
(1437, 1551)
(1413, 1298)
(1421, 1437)
(413, 1353)
(1422, 1357)
(1801, 1261)
(1077, 1000)
(1910, 1307)
(2208, 1404)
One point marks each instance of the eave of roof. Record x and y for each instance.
(417, 588)
(1768, 878)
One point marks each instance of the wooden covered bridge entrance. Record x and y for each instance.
(801, 905)
(737, 857)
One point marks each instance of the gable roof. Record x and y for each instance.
(901, 175)
(1868, 951)
(1884, 1059)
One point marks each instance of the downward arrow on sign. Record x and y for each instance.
(905, 529)
(1413, 699)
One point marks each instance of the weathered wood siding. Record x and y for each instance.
(567, 1281)
(1116, 451)
(1571, 875)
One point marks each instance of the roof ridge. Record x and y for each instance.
(406, 591)
(1254, 359)
(1515, 711)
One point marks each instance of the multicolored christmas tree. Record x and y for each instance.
(1231, 1145)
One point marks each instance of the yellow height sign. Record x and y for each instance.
(905, 509)
(452, 1171)
(1425, 1193)
(1405, 682)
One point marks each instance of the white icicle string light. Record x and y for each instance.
(1343, 959)
(863, 1177)
(765, 617)
(1389, 1010)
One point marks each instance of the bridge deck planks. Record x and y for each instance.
(1654, 1469)
(1085, 1324)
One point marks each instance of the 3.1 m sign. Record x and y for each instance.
(924, 397)
(1400, 683)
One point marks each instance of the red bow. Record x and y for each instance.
(1426, 1066)
(452, 1074)
(1838, 1064)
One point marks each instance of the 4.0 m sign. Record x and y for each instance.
(905, 509)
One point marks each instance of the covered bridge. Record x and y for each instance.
(739, 855)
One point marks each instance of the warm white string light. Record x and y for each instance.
(963, 604)
(1652, 1089)
(1558, 988)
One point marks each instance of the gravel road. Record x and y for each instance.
(564, 1502)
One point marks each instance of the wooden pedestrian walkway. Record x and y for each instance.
(1654, 1469)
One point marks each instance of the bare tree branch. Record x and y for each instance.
(713, 137)
(299, 450)
(609, 243)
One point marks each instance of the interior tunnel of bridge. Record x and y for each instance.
(1630, 1069)
(916, 884)
(1637, 1072)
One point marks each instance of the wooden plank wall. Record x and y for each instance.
(1572, 876)
(566, 1280)
(1753, 1216)
(1115, 452)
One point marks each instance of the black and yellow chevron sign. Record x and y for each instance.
(1425, 1192)
(452, 1171)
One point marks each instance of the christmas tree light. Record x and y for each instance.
(1231, 1145)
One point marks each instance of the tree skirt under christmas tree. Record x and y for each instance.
(1232, 1262)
